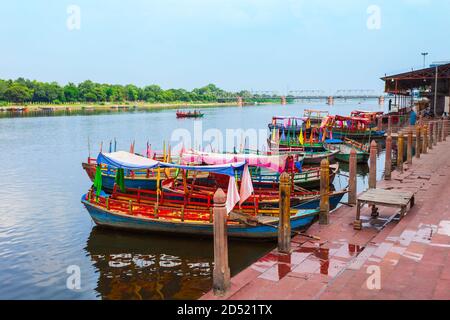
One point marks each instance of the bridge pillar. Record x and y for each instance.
(381, 101)
(330, 100)
(240, 101)
(283, 100)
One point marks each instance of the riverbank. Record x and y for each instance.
(409, 259)
(118, 106)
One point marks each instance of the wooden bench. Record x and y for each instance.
(386, 198)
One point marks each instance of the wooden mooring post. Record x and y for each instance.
(221, 273)
(389, 124)
(425, 139)
(352, 183)
(439, 131)
(435, 133)
(430, 134)
(409, 146)
(444, 130)
(324, 192)
(373, 166)
(284, 222)
(388, 161)
(400, 144)
(418, 142)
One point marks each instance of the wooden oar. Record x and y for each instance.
(247, 217)
(318, 197)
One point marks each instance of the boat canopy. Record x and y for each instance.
(289, 117)
(130, 161)
(350, 121)
(308, 113)
(274, 163)
(356, 113)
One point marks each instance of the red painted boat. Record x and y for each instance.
(189, 114)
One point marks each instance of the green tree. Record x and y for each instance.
(18, 93)
(71, 93)
(87, 91)
(132, 92)
(3, 87)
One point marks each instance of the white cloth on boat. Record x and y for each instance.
(232, 195)
(246, 186)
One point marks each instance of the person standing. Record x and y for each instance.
(413, 118)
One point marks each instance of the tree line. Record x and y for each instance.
(32, 91)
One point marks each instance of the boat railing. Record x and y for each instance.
(167, 197)
(156, 211)
(133, 208)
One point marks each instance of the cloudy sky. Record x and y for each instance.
(236, 44)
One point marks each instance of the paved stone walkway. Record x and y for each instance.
(411, 257)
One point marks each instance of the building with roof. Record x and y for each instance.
(431, 86)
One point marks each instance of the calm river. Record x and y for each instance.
(44, 229)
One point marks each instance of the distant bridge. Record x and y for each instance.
(330, 97)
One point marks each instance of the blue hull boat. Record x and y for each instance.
(266, 228)
(335, 199)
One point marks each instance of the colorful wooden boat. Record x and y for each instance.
(358, 135)
(309, 178)
(345, 147)
(315, 116)
(260, 200)
(317, 157)
(17, 109)
(294, 146)
(130, 215)
(355, 128)
(189, 114)
(292, 124)
(306, 157)
(287, 133)
(144, 179)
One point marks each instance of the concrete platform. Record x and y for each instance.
(409, 259)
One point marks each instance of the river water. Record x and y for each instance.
(46, 234)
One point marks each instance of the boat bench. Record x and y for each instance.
(385, 198)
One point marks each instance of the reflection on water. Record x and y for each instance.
(362, 170)
(142, 266)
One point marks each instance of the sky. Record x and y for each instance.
(259, 45)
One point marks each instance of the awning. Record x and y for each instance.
(129, 161)
(274, 163)
(126, 160)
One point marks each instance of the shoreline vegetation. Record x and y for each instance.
(114, 106)
(32, 95)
